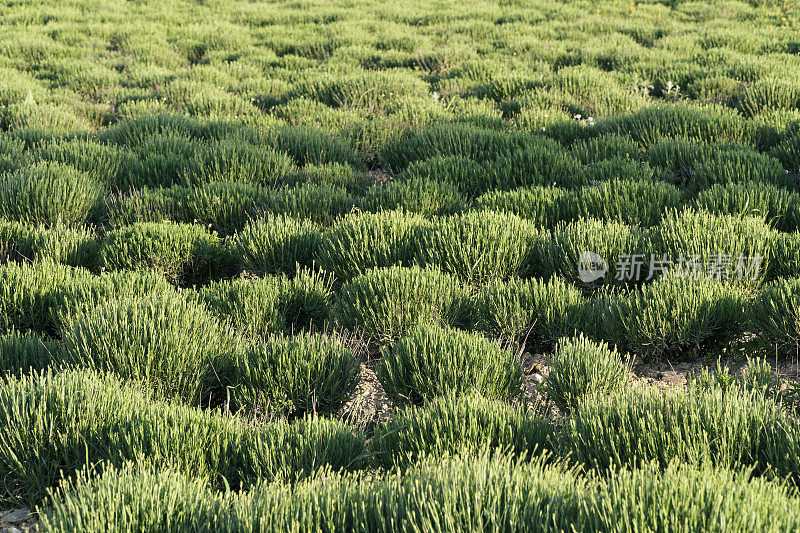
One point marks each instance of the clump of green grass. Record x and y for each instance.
(564, 253)
(634, 202)
(276, 304)
(145, 205)
(730, 428)
(225, 207)
(136, 498)
(426, 196)
(458, 423)
(70, 246)
(581, 369)
(385, 303)
(492, 490)
(534, 312)
(322, 203)
(183, 253)
(787, 151)
(673, 316)
(442, 140)
(544, 207)
(55, 425)
(725, 248)
(477, 246)
(277, 245)
(778, 207)
(541, 161)
(737, 166)
(165, 342)
(111, 165)
(468, 176)
(363, 241)
(652, 124)
(431, 360)
(237, 161)
(48, 194)
(704, 498)
(775, 315)
(604, 147)
(23, 353)
(311, 146)
(294, 375)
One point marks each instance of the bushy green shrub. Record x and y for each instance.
(757, 376)
(655, 123)
(457, 423)
(704, 498)
(679, 157)
(234, 161)
(460, 140)
(321, 203)
(304, 373)
(165, 342)
(431, 360)
(22, 353)
(307, 145)
(581, 369)
(785, 259)
(363, 241)
(543, 162)
(32, 294)
(271, 305)
(778, 207)
(737, 166)
(477, 246)
(370, 91)
(145, 205)
(490, 491)
(673, 316)
(135, 132)
(56, 424)
(617, 169)
(12, 153)
(183, 253)
(603, 147)
(730, 429)
(534, 312)
(767, 95)
(470, 177)
(428, 197)
(108, 164)
(337, 175)
(787, 151)
(566, 253)
(385, 303)
(775, 314)
(70, 246)
(165, 160)
(49, 194)
(225, 207)
(277, 244)
(639, 203)
(726, 248)
(544, 207)
(137, 498)
(44, 296)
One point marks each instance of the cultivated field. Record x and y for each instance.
(400, 266)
